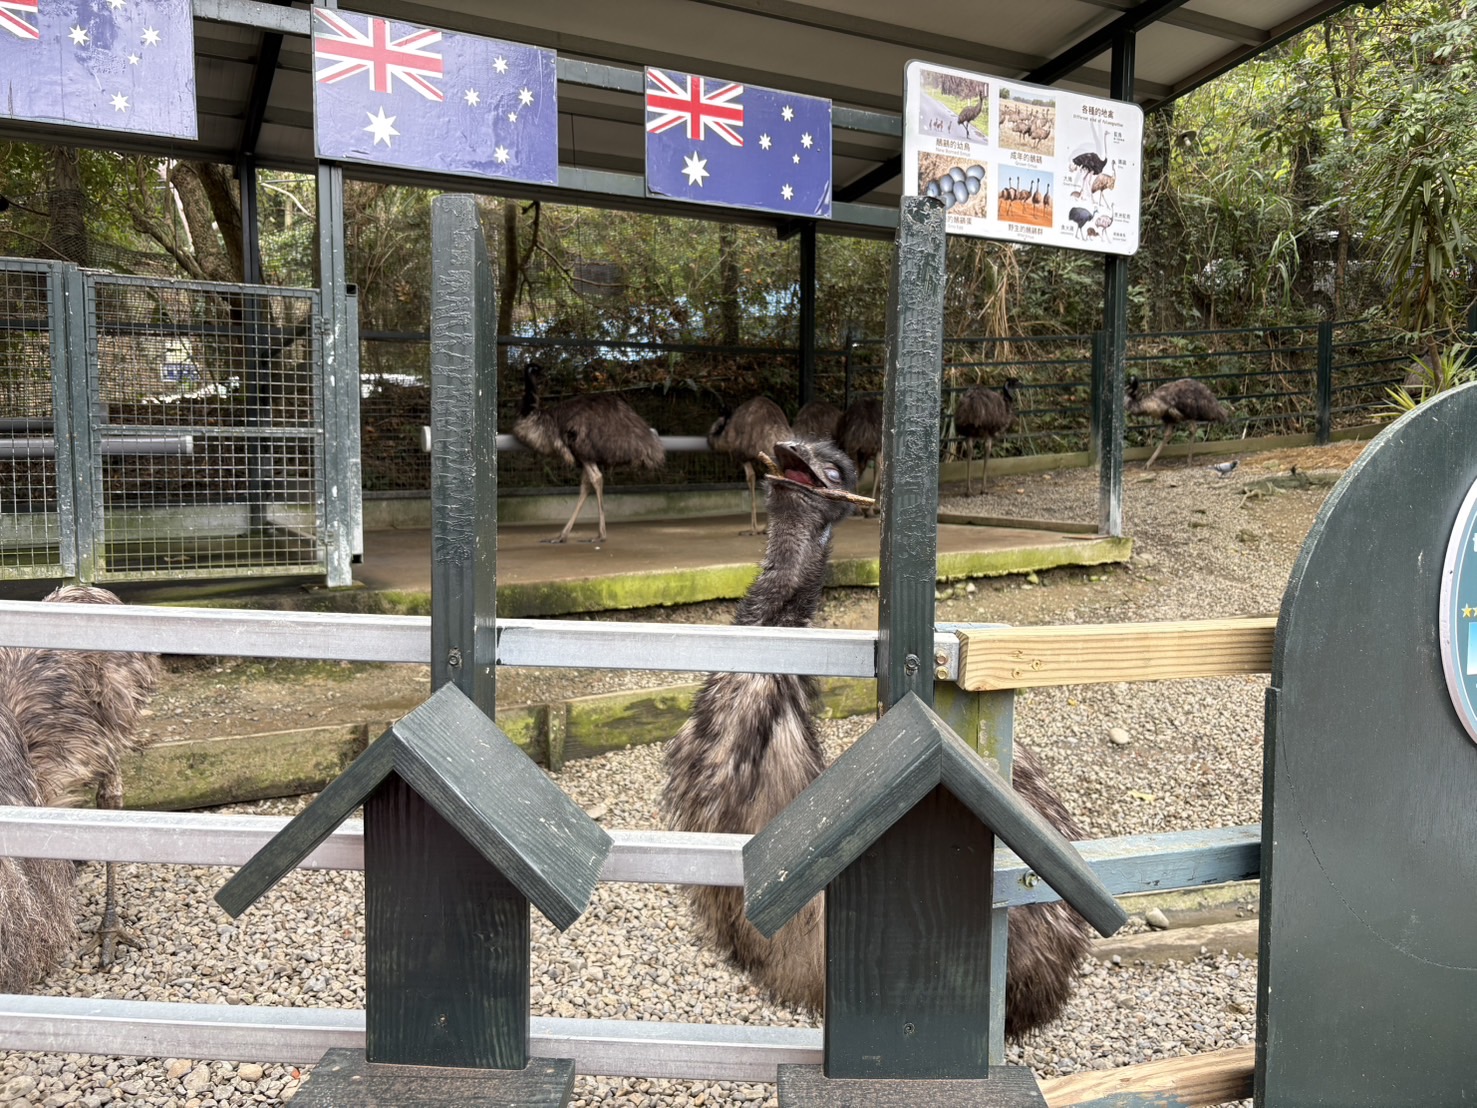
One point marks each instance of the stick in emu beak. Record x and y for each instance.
(777, 474)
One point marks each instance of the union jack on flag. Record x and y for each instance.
(394, 93)
(350, 51)
(13, 18)
(119, 65)
(779, 162)
(685, 99)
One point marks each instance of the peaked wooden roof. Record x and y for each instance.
(908, 752)
(460, 761)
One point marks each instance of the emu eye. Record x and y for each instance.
(832, 473)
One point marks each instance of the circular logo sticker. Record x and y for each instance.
(1459, 614)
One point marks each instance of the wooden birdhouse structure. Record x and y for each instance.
(900, 833)
(462, 831)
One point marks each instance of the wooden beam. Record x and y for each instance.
(1029, 657)
(1190, 1082)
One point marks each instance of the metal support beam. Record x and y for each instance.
(910, 454)
(1115, 341)
(251, 237)
(874, 178)
(1125, 26)
(807, 311)
(340, 375)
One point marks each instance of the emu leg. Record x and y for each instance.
(1190, 446)
(597, 479)
(968, 457)
(1168, 430)
(985, 469)
(753, 504)
(109, 933)
(580, 503)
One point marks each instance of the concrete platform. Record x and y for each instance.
(646, 563)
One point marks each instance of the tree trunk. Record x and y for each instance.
(728, 277)
(211, 209)
(66, 235)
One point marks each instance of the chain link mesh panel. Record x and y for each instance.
(208, 420)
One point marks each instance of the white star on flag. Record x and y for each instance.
(115, 4)
(764, 142)
(151, 37)
(787, 192)
(525, 97)
(795, 158)
(133, 59)
(696, 169)
(472, 98)
(120, 102)
(501, 153)
(381, 127)
(787, 113)
(512, 117)
(78, 36)
(806, 140)
(500, 64)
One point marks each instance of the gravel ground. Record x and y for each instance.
(1193, 759)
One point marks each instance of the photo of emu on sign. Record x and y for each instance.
(750, 747)
(75, 715)
(592, 432)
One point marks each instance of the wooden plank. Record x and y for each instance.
(344, 1079)
(446, 971)
(1028, 657)
(1191, 1082)
(903, 951)
(1006, 1087)
(1182, 944)
(231, 769)
(1065, 527)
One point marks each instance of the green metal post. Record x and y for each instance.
(1115, 327)
(87, 410)
(910, 451)
(340, 374)
(1325, 382)
(807, 312)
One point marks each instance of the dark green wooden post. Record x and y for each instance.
(910, 447)
(1115, 327)
(429, 896)
(1325, 382)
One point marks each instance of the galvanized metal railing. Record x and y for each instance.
(1127, 864)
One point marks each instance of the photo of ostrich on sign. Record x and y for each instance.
(1027, 121)
(954, 107)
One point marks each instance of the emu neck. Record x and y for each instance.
(530, 399)
(787, 592)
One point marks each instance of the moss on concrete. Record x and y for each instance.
(632, 590)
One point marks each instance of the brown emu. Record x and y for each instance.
(1184, 401)
(860, 434)
(78, 714)
(592, 432)
(749, 430)
(817, 420)
(36, 926)
(750, 747)
(983, 414)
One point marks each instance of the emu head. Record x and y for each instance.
(812, 479)
(1011, 384)
(533, 375)
(1132, 386)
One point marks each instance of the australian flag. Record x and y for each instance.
(397, 94)
(122, 65)
(718, 142)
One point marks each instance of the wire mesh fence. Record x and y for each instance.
(30, 513)
(209, 425)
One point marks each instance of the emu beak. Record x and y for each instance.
(775, 473)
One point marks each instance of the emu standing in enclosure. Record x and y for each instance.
(751, 747)
(77, 713)
(592, 432)
(817, 420)
(982, 414)
(751, 429)
(860, 434)
(1184, 401)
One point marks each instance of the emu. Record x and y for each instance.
(817, 420)
(77, 712)
(983, 414)
(750, 747)
(969, 113)
(592, 432)
(860, 434)
(748, 431)
(1184, 401)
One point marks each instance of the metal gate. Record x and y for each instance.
(160, 429)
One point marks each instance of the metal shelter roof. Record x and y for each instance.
(255, 102)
